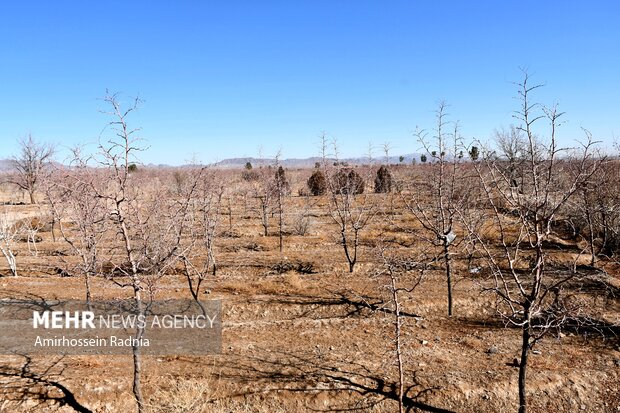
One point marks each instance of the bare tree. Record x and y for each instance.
(392, 276)
(8, 234)
(116, 156)
(30, 229)
(511, 143)
(436, 202)
(350, 210)
(29, 165)
(149, 222)
(594, 214)
(73, 194)
(202, 230)
(527, 289)
(263, 192)
(512, 147)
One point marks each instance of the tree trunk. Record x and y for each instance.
(525, 348)
(280, 223)
(446, 251)
(350, 259)
(87, 285)
(265, 222)
(32, 198)
(10, 258)
(399, 355)
(135, 280)
(137, 357)
(590, 230)
(53, 228)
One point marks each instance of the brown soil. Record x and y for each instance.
(307, 342)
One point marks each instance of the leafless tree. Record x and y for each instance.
(350, 210)
(436, 202)
(116, 155)
(397, 276)
(511, 143)
(74, 197)
(148, 221)
(594, 214)
(513, 149)
(390, 276)
(206, 207)
(8, 234)
(29, 165)
(527, 289)
(30, 229)
(264, 195)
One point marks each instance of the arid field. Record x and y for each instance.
(303, 333)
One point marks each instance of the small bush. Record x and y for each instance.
(383, 180)
(317, 184)
(302, 267)
(474, 153)
(300, 223)
(250, 175)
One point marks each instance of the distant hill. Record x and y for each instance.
(5, 165)
(238, 163)
(235, 163)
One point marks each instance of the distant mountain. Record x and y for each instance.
(5, 165)
(238, 163)
(235, 163)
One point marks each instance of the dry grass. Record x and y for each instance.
(307, 342)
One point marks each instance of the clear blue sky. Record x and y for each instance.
(219, 79)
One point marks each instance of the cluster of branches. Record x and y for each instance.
(29, 165)
(133, 229)
(525, 190)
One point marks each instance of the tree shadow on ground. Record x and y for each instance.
(344, 304)
(601, 332)
(22, 383)
(315, 372)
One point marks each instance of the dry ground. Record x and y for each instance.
(313, 342)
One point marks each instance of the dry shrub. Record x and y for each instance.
(302, 267)
(182, 396)
(40, 223)
(301, 224)
(250, 175)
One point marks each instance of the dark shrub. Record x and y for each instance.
(383, 180)
(474, 153)
(348, 181)
(281, 183)
(250, 175)
(317, 184)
